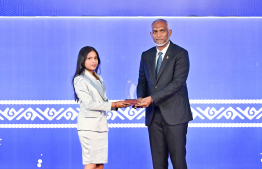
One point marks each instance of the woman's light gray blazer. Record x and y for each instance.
(93, 102)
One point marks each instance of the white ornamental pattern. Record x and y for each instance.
(229, 113)
(129, 114)
(31, 114)
(56, 110)
(69, 114)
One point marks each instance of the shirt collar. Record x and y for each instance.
(164, 50)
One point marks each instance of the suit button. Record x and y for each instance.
(155, 86)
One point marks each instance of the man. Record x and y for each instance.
(162, 90)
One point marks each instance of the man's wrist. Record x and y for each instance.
(152, 100)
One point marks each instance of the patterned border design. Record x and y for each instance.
(50, 114)
(135, 125)
(56, 113)
(204, 112)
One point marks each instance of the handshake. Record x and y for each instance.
(139, 103)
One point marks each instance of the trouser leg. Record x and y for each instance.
(176, 142)
(158, 145)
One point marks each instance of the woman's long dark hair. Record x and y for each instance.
(80, 66)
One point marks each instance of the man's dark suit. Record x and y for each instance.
(169, 94)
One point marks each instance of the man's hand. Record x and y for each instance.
(138, 102)
(145, 102)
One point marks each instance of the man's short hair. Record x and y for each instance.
(161, 20)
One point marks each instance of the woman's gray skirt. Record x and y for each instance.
(94, 146)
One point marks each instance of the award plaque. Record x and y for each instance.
(131, 101)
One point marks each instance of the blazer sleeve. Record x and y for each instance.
(82, 91)
(179, 79)
(142, 81)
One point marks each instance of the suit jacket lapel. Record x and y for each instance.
(152, 63)
(99, 87)
(165, 60)
(103, 87)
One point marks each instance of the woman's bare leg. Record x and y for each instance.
(90, 166)
(99, 166)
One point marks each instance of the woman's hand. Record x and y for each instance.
(121, 104)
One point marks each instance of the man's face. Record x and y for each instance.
(160, 33)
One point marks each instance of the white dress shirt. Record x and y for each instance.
(163, 51)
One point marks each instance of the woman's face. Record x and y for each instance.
(91, 61)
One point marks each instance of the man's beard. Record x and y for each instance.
(163, 44)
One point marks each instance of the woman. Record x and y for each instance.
(90, 91)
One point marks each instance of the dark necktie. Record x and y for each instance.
(159, 61)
